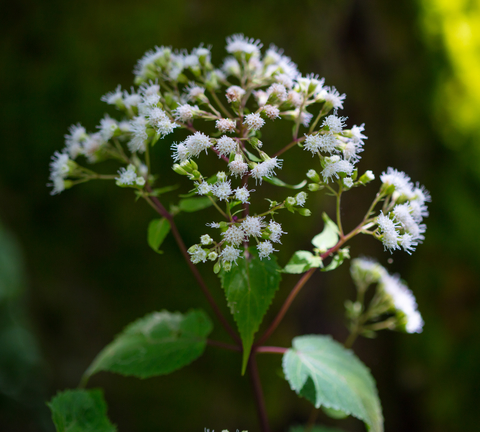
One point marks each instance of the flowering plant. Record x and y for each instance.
(221, 112)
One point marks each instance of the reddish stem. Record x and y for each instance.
(271, 349)
(178, 238)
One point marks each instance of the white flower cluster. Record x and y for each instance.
(401, 226)
(128, 177)
(394, 295)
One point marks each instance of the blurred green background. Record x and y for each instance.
(76, 268)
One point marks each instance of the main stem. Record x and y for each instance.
(178, 238)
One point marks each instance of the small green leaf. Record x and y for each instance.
(277, 182)
(337, 260)
(302, 261)
(329, 375)
(249, 288)
(328, 237)
(160, 191)
(157, 231)
(194, 204)
(156, 344)
(80, 411)
(252, 157)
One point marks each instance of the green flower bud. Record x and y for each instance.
(304, 212)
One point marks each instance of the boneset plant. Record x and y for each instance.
(219, 113)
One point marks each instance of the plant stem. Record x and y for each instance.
(339, 219)
(220, 105)
(271, 349)
(258, 393)
(289, 146)
(157, 205)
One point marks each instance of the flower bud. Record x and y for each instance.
(313, 175)
(304, 212)
(212, 256)
(227, 265)
(206, 240)
(367, 177)
(313, 187)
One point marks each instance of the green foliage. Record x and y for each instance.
(302, 261)
(80, 411)
(328, 237)
(157, 231)
(337, 260)
(157, 344)
(277, 182)
(190, 205)
(249, 289)
(329, 375)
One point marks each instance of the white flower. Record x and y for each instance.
(332, 96)
(147, 66)
(271, 111)
(160, 121)
(230, 254)
(222, 190)
(335, 124)
(140, 181)
(180, 152)
(301, 198)
(225, 145)
(59, 167)
(231, 66)
(138, 127)
(150, 97)
(275, 231)
(401, 181)
(225, 125)
(243, 194)
(203, 188)
(197, 142)
(266, 169)
(131, 100)
(279, 91)
(351, 150)
(335, 165)
(197, 254)
(390, 240)
(206, 239)
(238, 167)
(58, 185)
(234, 235)
(127, 176)
(295, 98)
(185, 112)
(315, 143)
(253, 225)
(91, 145)
(357, 135)
(74, 139)
(113, 98)
(254, 121)
(239, 43)
(265, 249)
(386, 224)
(195, 92)
(234, 93)
(403, 301)
(366, 271)
(348, 182)
(261, 97)
(213, 225)
(305, 118)
(107, 127)
(408, 243)
(310, 84)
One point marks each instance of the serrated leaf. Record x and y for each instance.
(190, 205)
(156, 344)
(80, 411)
(337, 260)
(277, 182)
(249, 289)
(328, 237)
(329, 375)
(157, 231)
(302, 261)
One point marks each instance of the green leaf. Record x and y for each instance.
(80, 411)
(327, 374)
(277, 182)
(315, 429)
(338, 259)
(328, 237)
(252, 157)
(156, 344)
(302, 261)
(194, 204)
(157, 231)
(160, 191)
(249, 289)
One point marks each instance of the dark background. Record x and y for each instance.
(76, 268)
